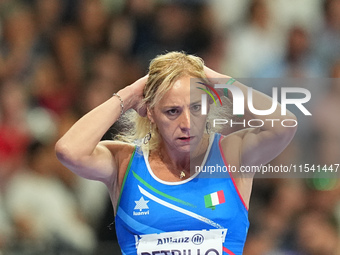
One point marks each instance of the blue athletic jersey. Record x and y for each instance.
(189, 209)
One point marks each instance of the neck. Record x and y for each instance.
(178, 161)
(175, 160)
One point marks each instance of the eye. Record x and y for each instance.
(196, 108)
(172, 112)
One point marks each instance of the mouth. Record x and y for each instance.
(186, 138)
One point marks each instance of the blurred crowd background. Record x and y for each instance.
(61, 58)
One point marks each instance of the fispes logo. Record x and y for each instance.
(208, 92)
(204, 96)
(225, 90)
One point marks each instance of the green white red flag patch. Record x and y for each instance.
(214, 199)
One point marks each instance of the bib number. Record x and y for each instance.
(201, 242)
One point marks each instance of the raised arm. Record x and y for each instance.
(81, 150)
(256, 146)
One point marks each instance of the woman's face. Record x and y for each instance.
(178, 116)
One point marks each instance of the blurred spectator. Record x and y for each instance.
(93, 20)
(229, 13)
(44, 212)
(14, 133)
(177, 26)
(20, 47)
(298, 60)
(68, 47)
(111, 67)
(59, 59)
(6, 229)
(315, 233)
(92, 96)
(302, 13)
(142, 15)
(49, 17)
(47, 88)
(327, 39)
(138, 9)
(121, 35)
(255, 44)
(260, 241)
(324, 195)
(327, 122)
(275, 205)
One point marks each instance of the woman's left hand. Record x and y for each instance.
(216, 78)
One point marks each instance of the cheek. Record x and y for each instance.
(165, 126)
(198, 123)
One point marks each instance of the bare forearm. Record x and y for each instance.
(265, 111)
(82, 138)
(260, 102)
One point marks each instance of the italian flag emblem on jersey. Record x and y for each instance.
(214, 199)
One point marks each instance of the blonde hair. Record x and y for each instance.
(164, 71)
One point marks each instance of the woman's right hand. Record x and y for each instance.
(136, 90)
(81, 149)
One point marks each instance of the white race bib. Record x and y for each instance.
(200, 242)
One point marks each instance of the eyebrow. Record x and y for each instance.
(196, 102)
(177, 106)
(170, 106)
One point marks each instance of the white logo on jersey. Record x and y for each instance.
(141, 204)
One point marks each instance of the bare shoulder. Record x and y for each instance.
(117, 147)
(231, 146)
(121, 152)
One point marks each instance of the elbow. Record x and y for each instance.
(287, 129)
(63, 152)
(289, 134)
(68, 155)
(290, 125)
(284, 128)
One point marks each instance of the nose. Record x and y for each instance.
(185, 120)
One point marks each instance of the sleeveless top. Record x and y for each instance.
(202, 215)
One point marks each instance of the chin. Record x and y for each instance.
(186, 148)
(183, 148)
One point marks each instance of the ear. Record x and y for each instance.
(149, 113)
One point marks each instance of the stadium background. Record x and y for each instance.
(61, 58)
